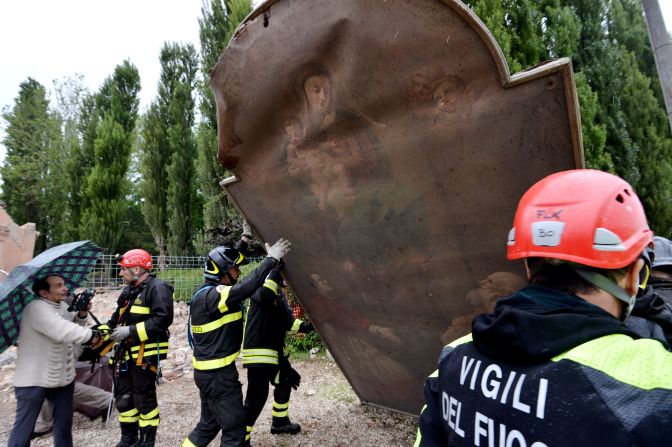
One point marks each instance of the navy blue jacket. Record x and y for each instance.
(549, 369)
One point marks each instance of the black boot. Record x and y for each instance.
(284, 426)
(147, 436)
(129, 434)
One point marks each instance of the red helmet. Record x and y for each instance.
(136, 258)
(584, 216)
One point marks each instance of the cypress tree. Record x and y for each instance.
(31, 186)
(219, 21)
(104, 219)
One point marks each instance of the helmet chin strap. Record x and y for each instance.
(602, 282)
(232, 280)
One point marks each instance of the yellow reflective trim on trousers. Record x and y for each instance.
(215, 363)
(279, 414)
(260, 353)
(149, 423)
(280, 406)
(621, 358)
(128, 419)
(142, 332)
(296, 325)
(188, 443)
(270, 284)
(139, 310)
(249, 428)
(129, 416)
(151, 415)
(209, 327)
(223, 296)
(254, 356)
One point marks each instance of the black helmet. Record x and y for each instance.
(220, 260)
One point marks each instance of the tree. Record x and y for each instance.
(31, 178)
(623, 119)
(220, 19)
(104, 219)
(171, 125)
(71, 95)
(154, 158)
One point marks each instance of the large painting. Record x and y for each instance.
(388, 141)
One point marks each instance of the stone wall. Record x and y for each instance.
(17, 243)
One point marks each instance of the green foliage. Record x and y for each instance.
(177, 105)
(189, 280)
(154, 158)
(624, 123)
(219, 21)
(299, 343)
(104, 220)
(32, 178)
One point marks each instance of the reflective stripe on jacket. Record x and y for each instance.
(267, 322)
(148, 310)
(217, 319)
(608, 389)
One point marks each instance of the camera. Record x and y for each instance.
(81, 300)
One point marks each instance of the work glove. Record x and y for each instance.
(104, 331)
(121, 333)
(279, 249)
(293, 378)
(247, 231)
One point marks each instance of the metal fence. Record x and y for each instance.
(185, 273)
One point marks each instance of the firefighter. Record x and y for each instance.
(216, 322)
(654, 303)
(268, 320)
(140, 326)
(554, 365)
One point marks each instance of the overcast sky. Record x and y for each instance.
(55, 39)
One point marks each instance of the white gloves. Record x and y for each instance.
(279, 249)
(121, 333)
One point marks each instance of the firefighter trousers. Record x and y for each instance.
(135, 394)
(221, 408)
(258, 380)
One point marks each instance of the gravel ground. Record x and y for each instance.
(325, 405)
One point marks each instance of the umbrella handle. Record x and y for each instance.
(94, 317)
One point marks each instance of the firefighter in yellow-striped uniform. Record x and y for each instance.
(216, 322)
(140, 326)
(268, 320)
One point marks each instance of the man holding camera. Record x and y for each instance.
(45, 364)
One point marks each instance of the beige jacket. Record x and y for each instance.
(46, 344)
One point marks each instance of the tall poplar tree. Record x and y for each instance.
(104, 219)
(31, 177)
(179, 65)
(220, 19)
(154, 159)
(70, 94)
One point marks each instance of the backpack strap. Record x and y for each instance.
(190, 337)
